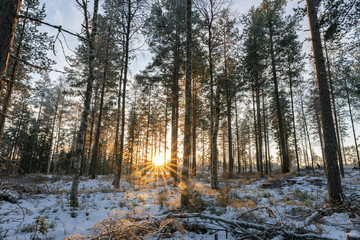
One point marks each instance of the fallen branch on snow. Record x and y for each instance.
(245, 227)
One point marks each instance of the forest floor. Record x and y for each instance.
(291, 206)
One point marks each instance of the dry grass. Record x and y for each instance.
(134, 227)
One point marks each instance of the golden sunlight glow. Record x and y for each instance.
(158, 160)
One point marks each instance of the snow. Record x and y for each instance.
(276, 200)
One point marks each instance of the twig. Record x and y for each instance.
(54, 26)
(36, 67)
(251, 210)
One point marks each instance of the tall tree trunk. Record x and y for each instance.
(146, 159)
(320, 137)
(57, 143)
(126, 65)
(185, 193)
(237, 138)
(255, 130)
(224, 154)
(285, 156)
(10, 84)
(93, 111)
(259, 127)
(265, 137)
(165, 134)
(132, 140)
(305, 151)
(98, 125)
(333, 175)
(52, 131)
(83, 125)
(194, 109)
(341, 164)
(36, 131)
(214, 163)
(293, 123)
(118, 110)
(308, 135)
(353, 126)
(175, 110)
(9, 18)
(342, 145)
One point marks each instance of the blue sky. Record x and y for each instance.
(66, 14)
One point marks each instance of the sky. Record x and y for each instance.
(66, 14)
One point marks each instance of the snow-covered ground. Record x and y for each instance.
(42, 210)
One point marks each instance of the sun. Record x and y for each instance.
(158, 160)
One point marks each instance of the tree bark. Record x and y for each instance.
(333, 175)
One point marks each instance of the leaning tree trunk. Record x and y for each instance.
(333, 175)
(83, 125)
(185, 192)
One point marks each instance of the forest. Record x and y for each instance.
(180, 119)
